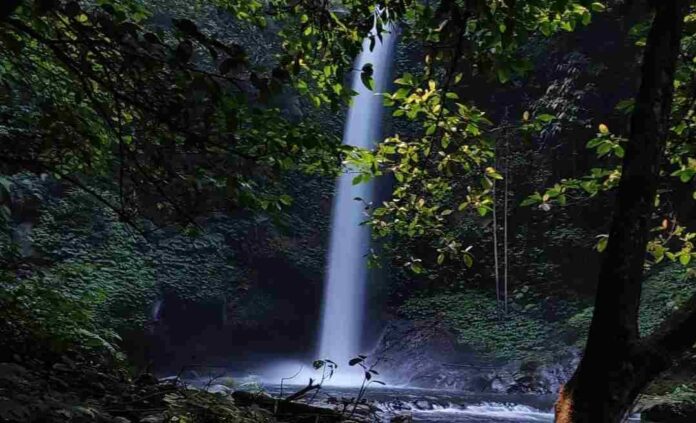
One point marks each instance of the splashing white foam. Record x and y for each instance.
(512, 412)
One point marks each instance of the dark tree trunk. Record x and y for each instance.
(617, 364)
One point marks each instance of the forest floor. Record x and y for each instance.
(77, 388)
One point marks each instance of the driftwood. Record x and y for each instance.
(302, 392)
(287, 410)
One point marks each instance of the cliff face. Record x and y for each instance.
(428, 355)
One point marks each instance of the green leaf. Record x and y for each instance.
(679, 129)
(545, 117)
(626, 106)
(468, 260)
(503, 74)
(366, 76)
(685, 258)
(546, 28)
(602, 243)
(401, 93)
(594, 142)
(285, 199)
(532, 199)
(603, 149)
(598, 7)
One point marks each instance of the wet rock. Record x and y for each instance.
(481, 384)
(12, 370)
(404, 418)
(423, 405)
(146, 379)
(157, 418)
(219, 389)
(397, 405)
(427, 355)
(499, 384)
(670, 413)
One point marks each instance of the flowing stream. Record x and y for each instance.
(340, 338)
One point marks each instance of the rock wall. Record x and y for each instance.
(426, 354)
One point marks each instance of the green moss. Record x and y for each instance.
(525, 331)
(474, 317)
(87, 253)
(666, 288)
(97, 257)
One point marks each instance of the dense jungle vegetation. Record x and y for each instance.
(167, 171)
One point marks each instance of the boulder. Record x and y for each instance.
(423, 405)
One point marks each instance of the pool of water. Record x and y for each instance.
(422, 405)
(430, 406)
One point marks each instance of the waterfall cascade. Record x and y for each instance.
(347, 273)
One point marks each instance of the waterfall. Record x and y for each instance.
(347, 273)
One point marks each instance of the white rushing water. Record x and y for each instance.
(483, 412)
(345, 283)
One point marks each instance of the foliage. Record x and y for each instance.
(673, 234)
(665, 289)
(442, 171)
(95, 255)
(475, 318)
(169, 116)
(539, 325)
(684, 393)
(82, 249)
(200, 406)
(35, 313)
(445, 167)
